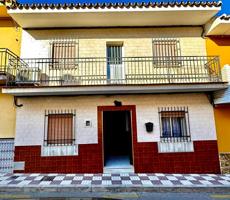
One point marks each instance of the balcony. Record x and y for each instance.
(115, 72)
(8, 61)
(126, 70)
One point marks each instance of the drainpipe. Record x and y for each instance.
(203, 32)
(16, 102)
(211, 98)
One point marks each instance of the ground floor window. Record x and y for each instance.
(174, 123)
(59, 127)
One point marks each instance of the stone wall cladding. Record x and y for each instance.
(225, 163)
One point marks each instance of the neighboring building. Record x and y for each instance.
(218, 43)
(10, 36)
(115, 87)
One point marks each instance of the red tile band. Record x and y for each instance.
(146, 159)
(204, 159)
(89, 160)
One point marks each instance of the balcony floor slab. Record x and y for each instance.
(113, 89)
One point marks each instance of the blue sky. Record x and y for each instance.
(225, 9)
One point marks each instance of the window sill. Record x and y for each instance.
(175, 147)
(69, 150)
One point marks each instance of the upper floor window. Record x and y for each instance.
(166, 52)
(115, 67)
(114, 54)
(174, 123)
(64, 53)
(60, 128)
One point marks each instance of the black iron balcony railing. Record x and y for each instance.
(9, 61)
(126, 70)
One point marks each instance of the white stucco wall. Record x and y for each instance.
(30, 117)
(92, 42)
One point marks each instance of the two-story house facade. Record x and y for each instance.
(115, 87)
(218, 43)
(10, 37)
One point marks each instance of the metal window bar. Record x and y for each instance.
(174, 124)
(138, 70)
(64, 48)
(115, 69)
(166, 51)
(59, 128)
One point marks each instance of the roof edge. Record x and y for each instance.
(225, 17)
(15, 5)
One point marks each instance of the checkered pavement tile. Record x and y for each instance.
(45, 183)
(125, 179)
(23, 183)
(67, 182)
(186, 182)
(106, 182)
(59, 178)
(76, 182)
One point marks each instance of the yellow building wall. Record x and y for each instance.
(10, 37)
(222, 118)
(7, 116)
(10, 32)
(221, 46)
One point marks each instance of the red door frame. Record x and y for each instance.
(132, 109)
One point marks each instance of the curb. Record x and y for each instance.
(187, 189)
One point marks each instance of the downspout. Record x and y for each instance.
(16, 102)
(211, 98)
(203, 32)
(208, 94)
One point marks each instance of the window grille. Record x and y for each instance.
(115, 68)
(174, 124)
(166, 52)
(64, 53)
(114, 54)
(59, 127)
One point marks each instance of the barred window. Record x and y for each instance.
(64, 53)
(166, 52)
(60, 128)
(114, 54)
(174, 123)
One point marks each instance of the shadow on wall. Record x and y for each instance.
(221, 40)
(6, 23)
(107, 33)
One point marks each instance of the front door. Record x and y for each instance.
(117, 139)
(115, 67)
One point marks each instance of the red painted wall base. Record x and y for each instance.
(89, 160)
(146, 159)
(204, 159)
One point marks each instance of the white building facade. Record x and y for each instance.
(103, 94)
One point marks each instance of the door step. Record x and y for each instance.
(110, 170)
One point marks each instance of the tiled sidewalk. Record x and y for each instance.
(122, 179)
